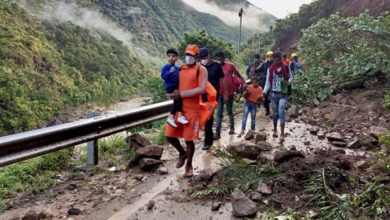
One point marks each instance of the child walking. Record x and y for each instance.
(253, 96)
(170, 75)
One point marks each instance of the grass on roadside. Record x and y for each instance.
(31, 176)
(235, 174)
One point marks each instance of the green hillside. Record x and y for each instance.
(160, 25)
(46, 67)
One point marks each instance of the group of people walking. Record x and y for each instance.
(269, 80)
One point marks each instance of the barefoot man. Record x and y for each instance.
(192, 83)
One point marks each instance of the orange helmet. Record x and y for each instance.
(192, 49)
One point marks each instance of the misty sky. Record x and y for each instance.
(279, 8)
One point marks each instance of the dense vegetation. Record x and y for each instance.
(46, 67)
(251, 47)
(339, 50)
(307, 15)
(157, 26)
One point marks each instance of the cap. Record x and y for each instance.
(269, 53)
(192, 49)
(204, 52)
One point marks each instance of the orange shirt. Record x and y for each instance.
(254, 93)
(192, 86)
(286, 62)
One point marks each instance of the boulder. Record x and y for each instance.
(149, 163)
(335, 136)
(264, 146)
(151, 151)
(206, 175)
(321, 134)
(369, 141)
(263, 188)
(362, 165)
(256, 197)
(285, 156)
(242, 205)
(339, 143)
(150, 205)
(136, 141)
(215, 206)
(314, 130)
(73, 211)
(353, 143)
(307, 143)
(293, 112)
(249, 135)
(378, 130)
(244, 150)
(162, 170)
(31, 215)
(316, 102)
(260, 136)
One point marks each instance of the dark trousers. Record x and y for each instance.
(266, 103)
(229, 106)
(208, 131)
(177, 104)
(266, 98)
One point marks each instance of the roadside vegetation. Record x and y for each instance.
(33, 177)
(47, 67)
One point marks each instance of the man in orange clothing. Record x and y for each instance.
(192, 83)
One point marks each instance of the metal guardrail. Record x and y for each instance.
(26, 145)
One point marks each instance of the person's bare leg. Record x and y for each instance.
(190, 154)
(282, 132)
(275, 130)
(176, 144)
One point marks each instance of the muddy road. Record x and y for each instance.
(135, 194)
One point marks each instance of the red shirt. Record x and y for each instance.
(227, 68)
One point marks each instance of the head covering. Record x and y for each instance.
(192, 50)
(204, 52)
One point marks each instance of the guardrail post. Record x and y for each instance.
(92, 151)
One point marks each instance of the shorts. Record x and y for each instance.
(189, 131)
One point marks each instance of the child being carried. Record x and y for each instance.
(170, 75)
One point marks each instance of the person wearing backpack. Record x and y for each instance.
(261, 73)
(295, 66)
(250, 71)
(279, 76)
(231, 72)
(216, 77)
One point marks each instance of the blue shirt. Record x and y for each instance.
(170, 79)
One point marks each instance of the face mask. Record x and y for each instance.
(190, 60)
(204, 62)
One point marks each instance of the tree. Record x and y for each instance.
(202, 39)
(339, 50)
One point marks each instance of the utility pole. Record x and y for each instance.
(239, 41)
(259, 45)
